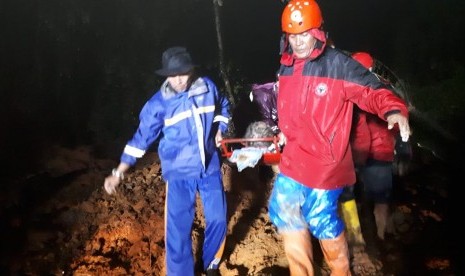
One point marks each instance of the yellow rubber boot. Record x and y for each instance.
(349, 215)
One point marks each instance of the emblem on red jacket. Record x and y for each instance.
(321, 89)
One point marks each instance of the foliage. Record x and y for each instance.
(443, 101)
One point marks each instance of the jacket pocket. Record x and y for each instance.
(319, 147)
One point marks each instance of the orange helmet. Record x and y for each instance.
(300, 16)
(363, 58)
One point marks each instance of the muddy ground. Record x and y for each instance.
(59, 221)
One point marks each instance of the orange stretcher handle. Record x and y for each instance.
(268, 158)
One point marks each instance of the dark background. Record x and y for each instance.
(78, 72)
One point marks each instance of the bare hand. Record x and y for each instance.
(403, 124)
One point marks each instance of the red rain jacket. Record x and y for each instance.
(315, 105)
(372, 139)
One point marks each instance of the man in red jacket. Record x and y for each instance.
(318, 87)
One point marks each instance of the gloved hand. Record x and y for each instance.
(282, 139)
(113, 180)
(218, 138)
(110, 184)
(403, 124)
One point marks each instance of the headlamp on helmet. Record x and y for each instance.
(300, 16)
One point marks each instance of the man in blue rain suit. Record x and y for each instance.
(189, 115)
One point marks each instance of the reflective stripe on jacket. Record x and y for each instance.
(186, 124)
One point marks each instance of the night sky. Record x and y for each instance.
(79, 71)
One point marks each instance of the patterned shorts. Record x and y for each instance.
(293, 207)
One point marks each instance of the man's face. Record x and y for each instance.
(179, 82)
(302, 44)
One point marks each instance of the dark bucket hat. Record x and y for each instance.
(175, 61)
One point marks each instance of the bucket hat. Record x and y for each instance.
(175, 61)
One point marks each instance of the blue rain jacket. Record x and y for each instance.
(186, 124)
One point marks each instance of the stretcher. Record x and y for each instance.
(272, 157)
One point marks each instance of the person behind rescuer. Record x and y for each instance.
(256, 117)
(318, 87)
(189, 115)
(265, 96)
(373, 149)
(373, 146)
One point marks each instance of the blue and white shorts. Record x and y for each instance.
(293, 207)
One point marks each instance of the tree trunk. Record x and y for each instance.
(223, 71)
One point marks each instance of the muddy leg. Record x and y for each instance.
(336, 253)
(298, 248)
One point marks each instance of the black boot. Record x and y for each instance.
(213, 272)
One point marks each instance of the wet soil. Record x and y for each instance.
(59, 221)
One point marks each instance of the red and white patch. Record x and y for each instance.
(321, 89)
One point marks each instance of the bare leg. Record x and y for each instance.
(381, 211)
(299, 253)
(336, 254)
